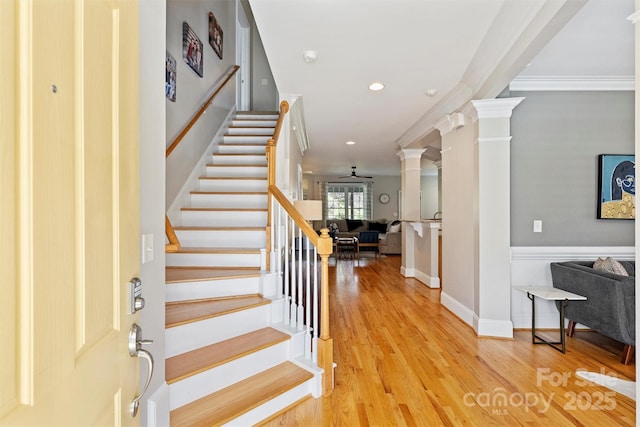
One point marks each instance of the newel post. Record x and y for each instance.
(325, 343)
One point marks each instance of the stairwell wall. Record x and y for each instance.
(193, 90)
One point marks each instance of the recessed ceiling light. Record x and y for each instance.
(375, 86)
(351, 143)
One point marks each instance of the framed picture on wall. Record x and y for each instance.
(616, 186)
(215, 35)
(170, 78)
(191, 49)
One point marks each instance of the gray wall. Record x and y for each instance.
(557, 137)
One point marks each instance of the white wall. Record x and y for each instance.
(458, 218)
(152, 199)
(429, 188)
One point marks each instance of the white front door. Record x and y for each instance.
(69, 202)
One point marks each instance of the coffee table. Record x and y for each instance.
(347, 246)
(550, 294)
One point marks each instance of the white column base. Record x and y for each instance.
(493, 328)
(431, 282)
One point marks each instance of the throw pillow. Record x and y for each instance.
(394, 229)
(378, 226)
(609, 265)
(352, 224)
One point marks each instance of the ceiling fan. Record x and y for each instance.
(354, 175)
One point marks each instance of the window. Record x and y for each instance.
(347, 200)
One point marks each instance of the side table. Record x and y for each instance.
(550, 294)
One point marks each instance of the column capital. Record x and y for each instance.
(449, 122)
(438, 164)
(634, 18)
(495, 108)
(411, 153)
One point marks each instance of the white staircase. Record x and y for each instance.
(230, 360)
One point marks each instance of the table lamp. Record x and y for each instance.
(311, 210)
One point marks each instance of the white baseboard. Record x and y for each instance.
(432, 282)
(158, 407)
(457, 308)
(492, 328)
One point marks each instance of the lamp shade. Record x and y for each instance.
(311, 210)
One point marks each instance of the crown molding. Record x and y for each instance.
(573, 83)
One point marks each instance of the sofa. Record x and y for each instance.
(610, 305)
(390, 231)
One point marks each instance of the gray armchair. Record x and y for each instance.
(610, 305)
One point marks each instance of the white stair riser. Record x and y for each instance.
(240, 159)
(222, 238)
(254, 122)
(212, 260)
(211, 289)
(240, 185)
(224, 218)
(242, 149)
(248, 130)
(243, 139)
(215, 379)
(237, 171)
(191, 336)
(254, 201)
(275, 405)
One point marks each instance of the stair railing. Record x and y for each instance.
(174, 243)
(303, 284)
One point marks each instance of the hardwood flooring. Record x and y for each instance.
(405, 360)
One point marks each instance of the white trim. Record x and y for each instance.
(158, 406)
(578, 253)
(506, 139)
(573, 83)
(411, 153)
(496, 108)
(431, 282)
(492, 328)
(464, 313)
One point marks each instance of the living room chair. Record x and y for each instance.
(369, 241)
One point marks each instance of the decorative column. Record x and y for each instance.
(492, 257)
(409, 202)
(439, 166)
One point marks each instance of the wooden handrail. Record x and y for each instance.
(294, 214)
(174, 243)
(201, 111)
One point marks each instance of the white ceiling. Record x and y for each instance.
(464, 49)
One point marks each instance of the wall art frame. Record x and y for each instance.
(215, 35)
(170, 78)
(192, 52)
(616, 186)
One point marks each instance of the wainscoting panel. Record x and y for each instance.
(530, 267)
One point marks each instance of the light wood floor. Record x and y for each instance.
(404, 360)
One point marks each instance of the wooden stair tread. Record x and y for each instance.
(225, 209)
(207, 250)
(237, 154)
(248, 135)
(234, 178)
(257, 113)
(237, 165)
(231, 402)
(202, 359)
(230, 228)
(228, 193)
(199, 274)
(184, 312)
